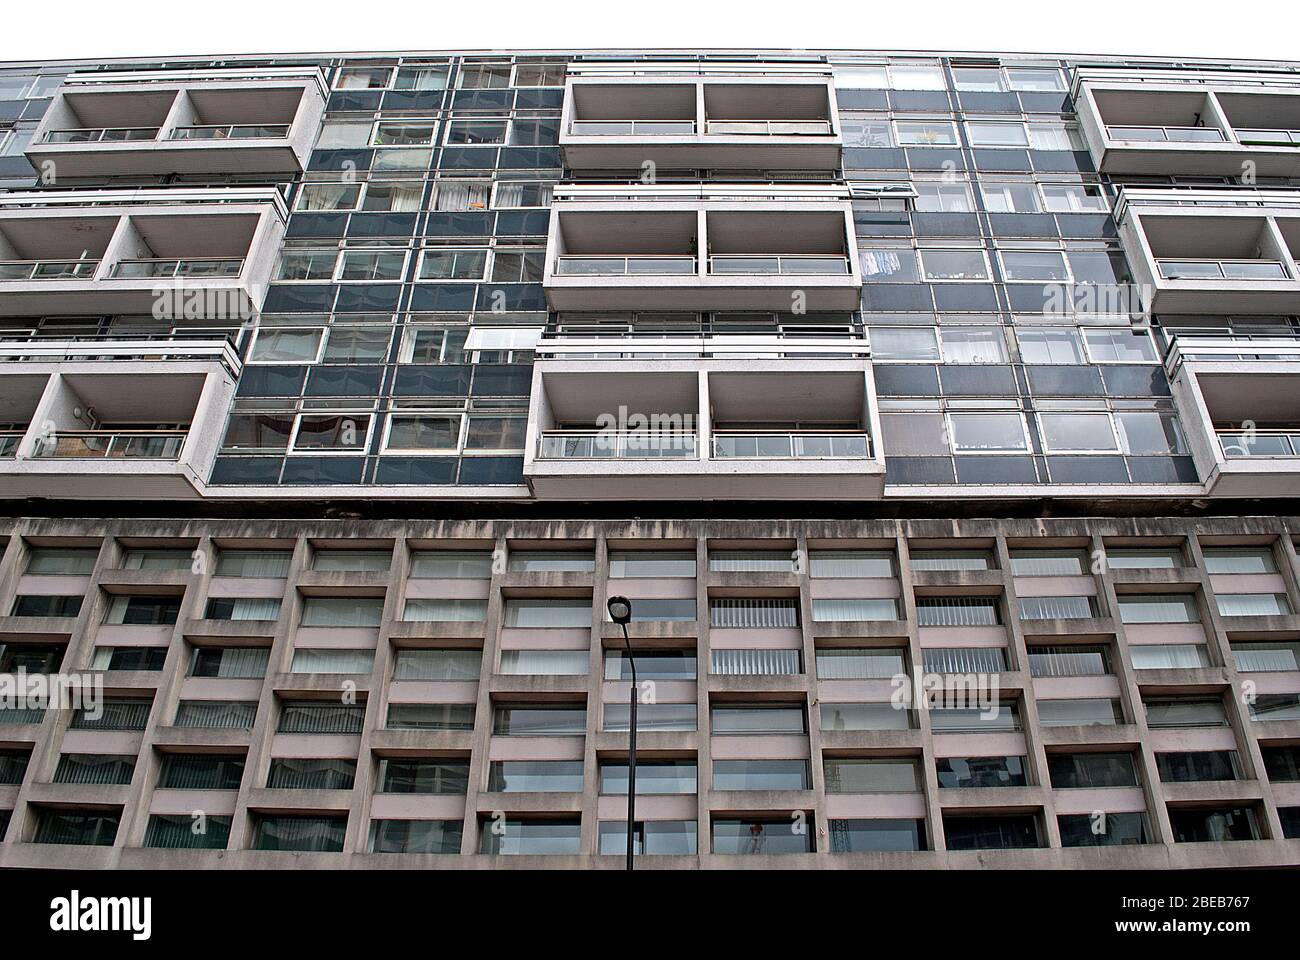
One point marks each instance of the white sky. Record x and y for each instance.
(1266, 29)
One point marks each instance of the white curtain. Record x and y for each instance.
(332, 661)
(342, 611)
(437, 665)
(445, 611)
(830, 611)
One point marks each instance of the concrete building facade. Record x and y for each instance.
(938, 414)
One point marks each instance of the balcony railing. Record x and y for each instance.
(780, 264)
(632, 128)
(48, 269)
(233, 131)
(102, 135)
(1258, 137)
(1246, 444)
(1222, 270)
(112, 445)
(221, 348)
(801, 445)
(1190, 347)
(164, 269)
(1156, 134)
(635, 266)
(616, 445)
(769, 128)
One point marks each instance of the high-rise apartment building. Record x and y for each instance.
(938, 413)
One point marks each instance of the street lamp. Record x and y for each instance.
(620, 611)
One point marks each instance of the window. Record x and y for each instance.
(654, 777)
(1069, 661)
(451, 564)
(1110, 829)
(184, 832)
(944, 264)
(229, 662)
(979, 79)
(1282, 763)
(850, 663)
(651, 665)
(1049, 563)
(548, 613)
(861, 131)
(1050, 345)
(1074, 198)
(1158, 608)
(851, 563)
(1262, 657)
(128, 658)
(995, 718)
(372, 265)
(143, 610)
(861, 77)
(1169, 656)
(952, 560)
(943, 197)
(307, 263)
(31, 657)
(301, 834)
(1035, 79)
(512, 194)
(464, 132)
(393, 195)
(761, 836)
(311, 773)
(864, 716)
(650, 837)
(66, 561)
(114, 714)
(1035, 265)
(848, 610)
(307, 660)
(539, 721)
(421, 78)
(536, 837)
(519, 265)
(362, 78)
(84, 828)
(544, 663)
(997, 134)
(1085, 770)
(416, 836)
(405, 133)
(1014, 197)
(13, 766)
(871, 836)
(1252, 605)
(1085, 712)
(987, 432)
(1185, 712)
(761, 775)
(969, 772)
(753, 613)
(478, 76)
(342, 611)
(1119, 346)
(46, 605)
(926, 133)
(452, 665)
(430, 716)
(216, 714)
(540, 74)
(1055, 136)
(325, 433)
(757, 719)
(1199, 766)
(1239, 560)
(329, 196)
(453, 264)
(904, 343)
(273, 345)
(651, 563)
(871, 775)
(253, 563)
(957, 611)
(232, 608)
(352, 561)
(444, 611)
(453, 195)
(649, 716)
(1144, 558)
(755, 663)
(547, 561)
(535, 776)
(973, 345)
(1010, 832)
(1213, 825)
(424, 432)
(964, 660)
(1057, 608)
(888, 265)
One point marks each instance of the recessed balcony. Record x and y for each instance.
(1213, 123)
(1239, 403)
(679, 253)
(1214, 251)
(703, 429)
(193, 253)
(693, 116)
(180, 121)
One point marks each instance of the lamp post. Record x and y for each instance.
(620, 611)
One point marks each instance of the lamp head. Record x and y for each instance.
(620, 609)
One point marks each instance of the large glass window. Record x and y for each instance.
(987, 432)
(944, 264)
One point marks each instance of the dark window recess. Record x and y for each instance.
(424, 775)
(82, 828)
(1106, 830)
(30, 657)
(1013, 832)
(46, 606)
(144, 610)
(312, 773)
(130, 658)
(981, 772)
(1213, 825)
(200, 771)
(1198, 766)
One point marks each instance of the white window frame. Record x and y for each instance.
(1144, 334)
(971, 124)
(333, 328)
(1065, 261)
(1115, 451)
(1101, 195)
(343, 255)
(407, 349)
(461, 430)
(934, 338)
(433, 141)
(257, 333)
(941, 185)
(469, 248)
(468, 451)
(514, 76)
(952, 126)
(303, 190)
(926, 278)
(943, 351)
(952, 433)
(359, 451)
(451, 122)
(493, 200)
(997, 186)
(1059, 328)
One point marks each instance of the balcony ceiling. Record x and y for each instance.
(582, 397)
(1262, 397)
(108, 109)
(625, 233)
(19, 395)
(61, 238)
(787, 396)
(158, 397)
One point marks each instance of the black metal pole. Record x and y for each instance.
(631, 751)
